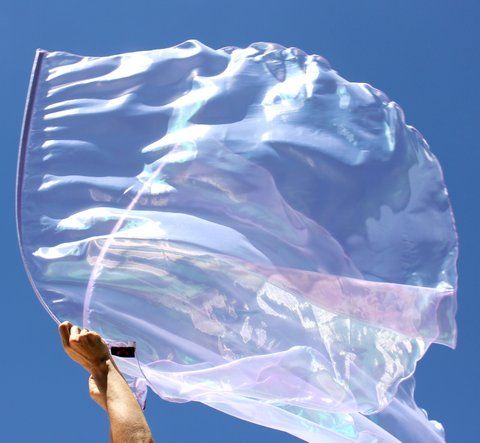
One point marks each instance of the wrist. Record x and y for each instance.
(100, 373)
(101, 368)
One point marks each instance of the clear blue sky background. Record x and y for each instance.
(423, 53)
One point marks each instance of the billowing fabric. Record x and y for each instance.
(276, 240)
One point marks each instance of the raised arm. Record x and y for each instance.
(107, 385)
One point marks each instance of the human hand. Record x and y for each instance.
(85, 347)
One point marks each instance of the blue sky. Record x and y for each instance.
(422, 53)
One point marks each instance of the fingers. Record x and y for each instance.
(82, 345)
(74, 333)
(64, 330)
(92, 385)
(93, 336)
(69, 332)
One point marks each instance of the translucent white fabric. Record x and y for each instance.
(275, 239)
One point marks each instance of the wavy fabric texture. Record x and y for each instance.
(275, 239)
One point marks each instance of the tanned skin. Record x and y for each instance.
(106, 384)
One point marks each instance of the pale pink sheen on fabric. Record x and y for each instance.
(276, 240)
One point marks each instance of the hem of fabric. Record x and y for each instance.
(22, 153)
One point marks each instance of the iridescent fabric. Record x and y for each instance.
(275, 239)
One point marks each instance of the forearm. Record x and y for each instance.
(127, 422)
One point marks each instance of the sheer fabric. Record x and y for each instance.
(275, 239)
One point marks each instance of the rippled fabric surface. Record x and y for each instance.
(275, 239)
